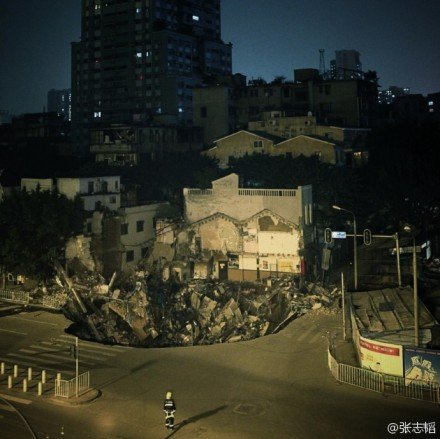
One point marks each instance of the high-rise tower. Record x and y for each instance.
(141, 58)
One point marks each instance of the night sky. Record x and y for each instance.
(400, 39)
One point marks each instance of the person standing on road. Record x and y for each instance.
(169, 407)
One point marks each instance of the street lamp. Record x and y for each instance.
(354, 244)
(410, 230)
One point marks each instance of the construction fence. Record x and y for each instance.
(382, 383)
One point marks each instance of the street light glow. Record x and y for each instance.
(336, 207)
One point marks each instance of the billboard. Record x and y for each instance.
(381, 357)
(422, 364)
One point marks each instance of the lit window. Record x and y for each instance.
(97, 114)
(138, 10)
(139, 55)
(180, 110)
(196, 18)
(431, 103)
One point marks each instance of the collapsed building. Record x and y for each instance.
(231, 269)
(146, 311)
(238, 234)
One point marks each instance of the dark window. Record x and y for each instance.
(198, 244)
(98, 205)
(258, 143)
(139, 226)
(327, 89)
(104, 186)
(203, 112)
(89, 227)
(129, 256)
(145, 252)
(124, 229)
(90, 187)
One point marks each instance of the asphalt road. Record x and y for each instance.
(278, 386)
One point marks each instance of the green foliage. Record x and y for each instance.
(34, 228)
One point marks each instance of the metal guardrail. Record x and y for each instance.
(68, 388)
(382, 383)
(21, 297)
(414, 389)
(361, 378)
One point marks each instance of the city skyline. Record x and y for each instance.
(396, 39)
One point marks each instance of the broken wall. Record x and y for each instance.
(79, 247)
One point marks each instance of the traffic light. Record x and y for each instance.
(367, 236)
(328, 236)
(73, 352)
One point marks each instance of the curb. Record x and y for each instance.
(85, 398)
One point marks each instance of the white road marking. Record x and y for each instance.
(31, 321)
(50, 356)
(93, 344)
(82, 348)
(13, 332)
(22, 366)
(82, 352)
(35, 360)
(6, 408)
(15, 399)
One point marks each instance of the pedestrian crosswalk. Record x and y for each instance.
(55, 355)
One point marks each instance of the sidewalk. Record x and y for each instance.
(48, 396)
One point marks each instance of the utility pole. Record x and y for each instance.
(416, 296)
(399, 274)
(343, 306)
(77, 365)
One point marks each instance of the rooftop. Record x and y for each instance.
(388, 315)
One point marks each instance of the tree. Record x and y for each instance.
(280, 79)
(34, 229)
(257, 82)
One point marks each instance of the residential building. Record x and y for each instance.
(60, 102)
(346, 65)
(243, 143)
(142, 58)
(249, 234)
(132, 144)
(390, 94)
(434, 104)
(277, 123)
(97, 193)
(117, 240)
(347, 102)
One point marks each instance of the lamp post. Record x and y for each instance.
(410, 230)
(355, 263)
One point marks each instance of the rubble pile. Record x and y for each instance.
(432, 268)
(145, 311)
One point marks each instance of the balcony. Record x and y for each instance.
(113, 148)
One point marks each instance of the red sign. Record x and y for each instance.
(380, 349)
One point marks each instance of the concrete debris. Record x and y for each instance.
(143, 309)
